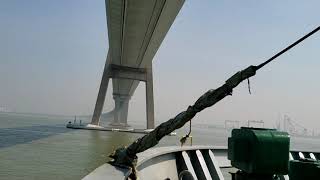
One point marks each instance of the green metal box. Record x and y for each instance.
(259, 151)
(304, 169)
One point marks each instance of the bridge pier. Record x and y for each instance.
(149, 98)
(121, 110)
(122, 101)
(101, 95)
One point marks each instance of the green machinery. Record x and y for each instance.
(263, 154)
(258, 153)
(304, 169)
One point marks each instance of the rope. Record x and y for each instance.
(289, 47)
(249, 88)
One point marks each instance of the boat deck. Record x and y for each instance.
(202, 162)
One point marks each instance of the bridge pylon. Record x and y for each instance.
(112, 71)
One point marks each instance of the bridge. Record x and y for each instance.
(136, 29)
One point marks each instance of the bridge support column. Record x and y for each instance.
(122, 101)
(149, 97)
(121, 110)
(116, 114)
(101, 96)
(124, 111)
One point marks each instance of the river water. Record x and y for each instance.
(40, 147)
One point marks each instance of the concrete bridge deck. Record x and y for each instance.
(136, 29)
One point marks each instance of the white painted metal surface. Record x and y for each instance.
(167, 162)
(164, 162)
(188, 163)
(159, 167)
(215, 166)
(203, 165)
(313, 156)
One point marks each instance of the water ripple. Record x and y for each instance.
(20, 135)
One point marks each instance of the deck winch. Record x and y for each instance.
(258, 153)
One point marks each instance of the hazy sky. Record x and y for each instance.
(52, 55)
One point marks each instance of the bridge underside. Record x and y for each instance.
(136, 28)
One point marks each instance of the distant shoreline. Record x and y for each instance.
(205, 126)
(35, 114)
